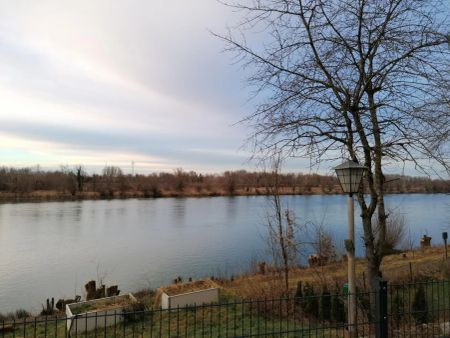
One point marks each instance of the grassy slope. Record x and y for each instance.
(425, 264)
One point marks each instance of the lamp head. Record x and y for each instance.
(350, 174)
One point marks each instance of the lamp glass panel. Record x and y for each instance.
(350, 179)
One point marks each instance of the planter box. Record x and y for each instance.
(189, 298)
(97, 313)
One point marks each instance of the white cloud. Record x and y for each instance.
(129, 79)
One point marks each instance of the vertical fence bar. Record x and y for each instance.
(203, 320)
(178, 320)
(35, 326)
(242, 318)
(381, 311)
(219, 319)
(186, 320)
(115, 324)
(234, 319)
(265, 316)
(123, 330)
(211, 311)
(104, 325)
(151, 323)
(133, 328)
(168, 326)
(24, 327)
(226, 320)
(144, 312)
(257, 316)
(195, 319)
(160, 322)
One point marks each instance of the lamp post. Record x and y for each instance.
(350, 174)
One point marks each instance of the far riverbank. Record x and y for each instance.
(33, 184)
(54, 196)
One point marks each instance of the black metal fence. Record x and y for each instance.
(397, 311)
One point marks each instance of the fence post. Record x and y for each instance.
(381, 306)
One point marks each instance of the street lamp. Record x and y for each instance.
(350, 174)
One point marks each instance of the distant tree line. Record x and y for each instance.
(75, 182)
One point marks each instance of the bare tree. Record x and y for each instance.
(81, 176)
(368, 80)
(281, 228)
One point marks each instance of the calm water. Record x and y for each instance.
(52, 249)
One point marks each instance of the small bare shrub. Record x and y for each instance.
(324, 246)
(395, 233)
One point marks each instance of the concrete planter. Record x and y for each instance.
(190, 298)
(80, 322)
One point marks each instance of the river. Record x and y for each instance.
(51, 249)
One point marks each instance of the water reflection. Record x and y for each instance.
(231, 208)
(179, 212)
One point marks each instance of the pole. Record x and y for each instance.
(381, 304)
(351, 268)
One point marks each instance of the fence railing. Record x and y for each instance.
(408, 310)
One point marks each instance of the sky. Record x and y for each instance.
(105, 82)
(110, 82)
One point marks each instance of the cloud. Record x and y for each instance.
(118, 80)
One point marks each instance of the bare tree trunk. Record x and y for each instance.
(283, 246)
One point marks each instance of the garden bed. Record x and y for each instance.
(97, 313)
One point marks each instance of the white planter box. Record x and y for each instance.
(190, 298)
(95, 319)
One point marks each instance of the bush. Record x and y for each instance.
(365, 305)
(10, 316)
(135, 312)
(395, 233)
(325, 305)
(21, 313)
(311, 301)
(337, 309)
(398, 309)
(420, 306)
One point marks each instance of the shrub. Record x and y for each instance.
(311, 301)
(395, 232)
(135, 312)
(10, 316)
(398, 309)
(337, 309)
(365, 305)
(420, 306)
(21, 313)
(325, 305)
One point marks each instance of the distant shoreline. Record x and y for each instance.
(27, 184)
(54, 196)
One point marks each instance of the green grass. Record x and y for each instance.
(233, 319)
(236, 320)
